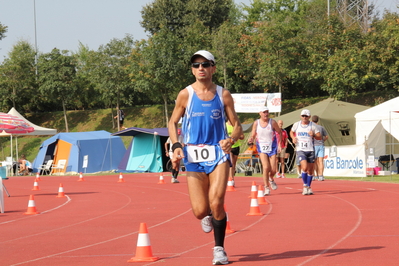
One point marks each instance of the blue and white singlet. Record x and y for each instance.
(203, 127)
(266, 139)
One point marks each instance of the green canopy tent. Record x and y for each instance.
(337, 117)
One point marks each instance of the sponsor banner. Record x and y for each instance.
(252, 102)
(349, 160)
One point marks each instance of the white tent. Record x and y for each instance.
(39, 131)
(373, 124)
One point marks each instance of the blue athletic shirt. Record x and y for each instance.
(204, 121)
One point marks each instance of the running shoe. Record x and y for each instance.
(277, 175)
(321, 178)
(305, 191)
(219, 256)
(310, 192)
(282, 175)
(174, 180)
(267, 191)
(273, 185)
(206, 224)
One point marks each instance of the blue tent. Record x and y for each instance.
(102, 151)
(146, 152)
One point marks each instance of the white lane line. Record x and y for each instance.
(355, 227)
(30, 216)
(211, 242)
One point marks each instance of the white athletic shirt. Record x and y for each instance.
(265, 136)
(304, 140)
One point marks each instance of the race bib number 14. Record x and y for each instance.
(201, 153)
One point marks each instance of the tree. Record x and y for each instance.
(88, 98)
(110, 74)
(159, 68)
(381, 52)
(226, 50)
(343, 68)
(57, 78)
(175, 16)
(273, 42)
(17, 78)
(3, 30)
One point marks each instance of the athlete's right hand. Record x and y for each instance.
(177, 156)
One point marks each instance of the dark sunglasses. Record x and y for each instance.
(204, 64)
(304, 116)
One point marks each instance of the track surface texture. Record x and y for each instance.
(97, 223)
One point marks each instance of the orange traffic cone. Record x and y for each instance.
(61, 192)
(228, 229)
(35, 186)
(143, 250)
(38, 177)
(230, 186)
(254, 208)
(161, 180)
(254, 190)
(31, 206)
(121, 178)
(261, 196)
(81, 177)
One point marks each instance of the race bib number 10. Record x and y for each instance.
(201, 153)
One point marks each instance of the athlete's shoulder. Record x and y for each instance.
(295, 126)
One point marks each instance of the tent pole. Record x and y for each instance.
(110, 150)
(12, 158)
(16, 147)
(390, 132)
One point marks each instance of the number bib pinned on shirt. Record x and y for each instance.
(265, 147)
(201, 153)
(305, 144)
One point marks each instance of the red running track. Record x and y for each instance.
(97, 223)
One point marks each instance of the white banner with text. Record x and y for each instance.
(348, 160)
(252, 102)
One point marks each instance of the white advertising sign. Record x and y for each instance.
(252, 102)
(349, 160)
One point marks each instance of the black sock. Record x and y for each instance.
(175, 173)
(219, 231)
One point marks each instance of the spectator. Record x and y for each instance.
(281, 154)
(235, 151)
(25, 167)
(121, 117)
(319, 149)
(169, 153)
(254, 152)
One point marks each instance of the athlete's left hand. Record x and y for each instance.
(225, 144)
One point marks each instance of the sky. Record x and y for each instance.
(64, 24)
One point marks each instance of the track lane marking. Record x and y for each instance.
(356, 226)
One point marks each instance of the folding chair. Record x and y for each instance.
(46, 168)
(59, 167)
